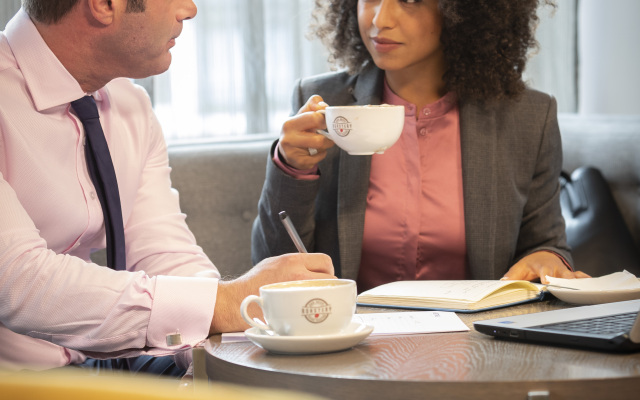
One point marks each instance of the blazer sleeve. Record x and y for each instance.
(542, 227)
(282, 192)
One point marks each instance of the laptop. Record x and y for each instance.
(609, 326)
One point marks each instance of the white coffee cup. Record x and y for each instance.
(364, 130)
(304, 308)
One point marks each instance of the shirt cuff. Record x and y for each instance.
(304, 174)
(184, 306)
(566, 264)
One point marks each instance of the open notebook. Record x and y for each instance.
(609, 326)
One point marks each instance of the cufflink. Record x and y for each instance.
(174, 339)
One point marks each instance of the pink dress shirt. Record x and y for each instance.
(56, 307)
(414, 220)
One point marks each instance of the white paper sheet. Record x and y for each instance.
(394, 323)
(412, 322)
(615, 281)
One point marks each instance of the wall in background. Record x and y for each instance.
(552, 69)
(609, 57)
(7, 9)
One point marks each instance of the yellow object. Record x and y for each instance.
(81, 385)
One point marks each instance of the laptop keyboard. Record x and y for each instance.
(607, 325)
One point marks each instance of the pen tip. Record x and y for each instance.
(282, 214)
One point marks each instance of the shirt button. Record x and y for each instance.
(423, 132)
(427, 111)
(93, 195)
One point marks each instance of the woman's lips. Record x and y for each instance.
(383, 45)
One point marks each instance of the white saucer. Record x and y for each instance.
(583, 296)
(354, 334)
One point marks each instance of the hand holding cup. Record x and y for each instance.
(299, 134)
(359, 130)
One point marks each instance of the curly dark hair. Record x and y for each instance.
(485, 42)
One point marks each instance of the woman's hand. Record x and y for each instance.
(299, 135)
(539, 265)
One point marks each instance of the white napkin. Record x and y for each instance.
(616, 281)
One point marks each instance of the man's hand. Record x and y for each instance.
(288, 267)
(539, 265)
(299, 134)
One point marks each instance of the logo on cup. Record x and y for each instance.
(316, 310)
(341, 126)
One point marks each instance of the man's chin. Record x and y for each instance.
(153, 69)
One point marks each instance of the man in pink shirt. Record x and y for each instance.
(58, 308)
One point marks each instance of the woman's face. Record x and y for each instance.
(402, 35)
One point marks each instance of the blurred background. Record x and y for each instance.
(235, 64)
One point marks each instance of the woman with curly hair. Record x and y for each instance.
(469, 191)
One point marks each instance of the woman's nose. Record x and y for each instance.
(385, 14)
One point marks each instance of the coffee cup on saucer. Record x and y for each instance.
(364, 130)
(317, 307)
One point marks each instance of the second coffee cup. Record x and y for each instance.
(303, 308)
(364, 130)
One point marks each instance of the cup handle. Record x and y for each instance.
(320, 131)
(256, 323)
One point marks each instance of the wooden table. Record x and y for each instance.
(462, 365)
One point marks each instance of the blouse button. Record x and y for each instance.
(427, 111)
(423, 132)
(93, 195)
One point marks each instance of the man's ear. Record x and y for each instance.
(103, 10)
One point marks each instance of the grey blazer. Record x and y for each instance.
(511, 161)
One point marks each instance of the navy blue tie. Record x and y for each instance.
(104, 179)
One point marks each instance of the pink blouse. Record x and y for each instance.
(414, 221)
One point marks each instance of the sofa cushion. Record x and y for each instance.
(219, 186)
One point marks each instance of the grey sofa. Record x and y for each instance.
(220, 183)
(611, 144)
(219, 186)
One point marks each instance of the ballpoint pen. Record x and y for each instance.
(291, 230)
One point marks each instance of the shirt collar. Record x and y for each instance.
(47, 80)
(437, 109)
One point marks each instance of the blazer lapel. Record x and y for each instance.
(353, 180)
(478, 147)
